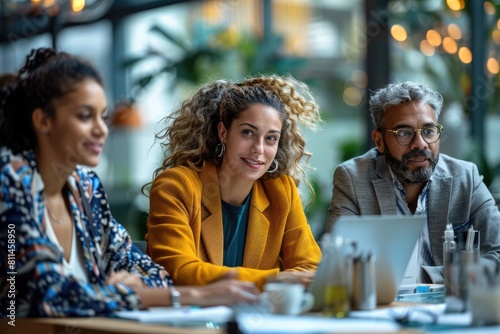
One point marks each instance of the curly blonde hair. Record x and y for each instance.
(191, 137)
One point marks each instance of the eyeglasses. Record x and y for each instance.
(405, 136)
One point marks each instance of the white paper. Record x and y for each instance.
(412, 271)
(471, 330)
(256, 323)
(459, 320)
(170, 314)
(424, 313)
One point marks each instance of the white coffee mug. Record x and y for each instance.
(287, 298)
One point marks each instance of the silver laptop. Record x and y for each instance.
(390, 238)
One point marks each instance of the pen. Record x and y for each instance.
(470, 239)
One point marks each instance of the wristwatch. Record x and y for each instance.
(175, 297)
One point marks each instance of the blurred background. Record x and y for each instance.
(154, 53)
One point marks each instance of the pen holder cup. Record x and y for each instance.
(466, 257)
(364, 287)
(484, 295)
(468, 241)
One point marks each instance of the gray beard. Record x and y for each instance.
(405, 174)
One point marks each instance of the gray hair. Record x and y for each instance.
(397, 93)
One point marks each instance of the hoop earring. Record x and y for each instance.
(220, 149)
(275, 168)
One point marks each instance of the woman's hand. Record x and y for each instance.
(129, 279)
(304, 277)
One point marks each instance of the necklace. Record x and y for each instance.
(52, 217)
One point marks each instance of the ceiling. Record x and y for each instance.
(14, 26)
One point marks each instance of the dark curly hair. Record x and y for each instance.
(190, 137)
(7, 80)
(46, 76)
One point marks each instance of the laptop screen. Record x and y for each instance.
(391, 239)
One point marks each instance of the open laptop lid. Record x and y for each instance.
(390, 238)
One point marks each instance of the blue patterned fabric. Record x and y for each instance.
(33, 280)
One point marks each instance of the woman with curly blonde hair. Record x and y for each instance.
(225, 200)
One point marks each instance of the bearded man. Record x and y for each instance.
(406, 175)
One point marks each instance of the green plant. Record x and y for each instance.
(208, 53)
(317, 209)
(351, 148)
(191, 66)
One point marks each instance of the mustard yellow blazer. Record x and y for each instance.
(185, 232)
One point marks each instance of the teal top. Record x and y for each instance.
(235, 222)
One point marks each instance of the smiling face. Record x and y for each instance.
(77, 132)
(415, 162)
(251, 142)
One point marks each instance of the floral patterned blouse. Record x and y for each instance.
(33, 281)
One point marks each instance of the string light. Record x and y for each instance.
(495, 36)
(77, 5)
(449, 45)
(455, 4)
(454, 31)
(426, 48)
(465, 55)
(433, 37)
(492, 65)
(352, 96)
(489, 8)
(398, 32)
(446, 38)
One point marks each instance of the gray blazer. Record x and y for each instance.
(363, 186)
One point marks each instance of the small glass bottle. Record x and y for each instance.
(449, 257)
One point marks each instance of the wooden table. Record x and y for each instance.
(103, 325)
(98, 325)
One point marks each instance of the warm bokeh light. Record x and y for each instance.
(465, 55)
(51, 7)
(498, 24)
(449, 45)
(359, 79)
(495, 36)
(489, 8)
(212, 12)
(492, 65)
(398, 32)
(352, 96)
(427, 49)
(454, 31)
(434, 38)
(77, 5)
(455, 4)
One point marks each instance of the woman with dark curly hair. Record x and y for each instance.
(226, 197)
(61, 251)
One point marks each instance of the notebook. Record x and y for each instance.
(391, 239)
